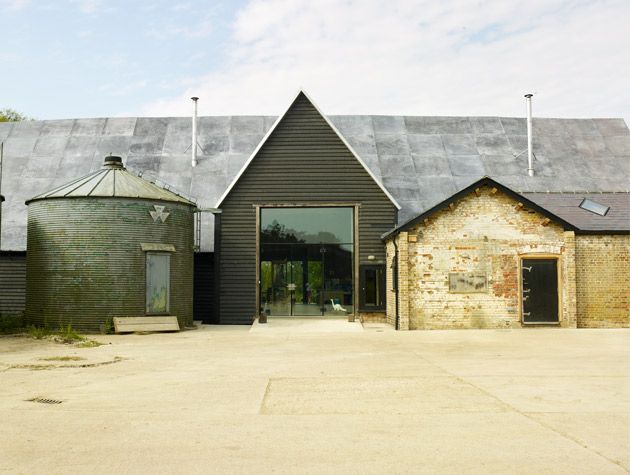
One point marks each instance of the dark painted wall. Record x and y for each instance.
(203, 302)
(303, 161)
(12, 282)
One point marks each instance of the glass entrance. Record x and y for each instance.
(306, 261)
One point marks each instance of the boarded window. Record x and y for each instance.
(467, 282)
(158, 282)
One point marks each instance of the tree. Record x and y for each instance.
(10, 115)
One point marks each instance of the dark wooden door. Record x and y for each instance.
(540, 290)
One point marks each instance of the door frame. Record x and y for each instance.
(356, 207)
(541, 256)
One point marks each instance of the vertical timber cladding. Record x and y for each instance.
(303, 161)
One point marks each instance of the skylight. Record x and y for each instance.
(594, 207)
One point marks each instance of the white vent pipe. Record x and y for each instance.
(194, 132)
(530, 147)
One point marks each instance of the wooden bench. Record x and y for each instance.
(145, 324)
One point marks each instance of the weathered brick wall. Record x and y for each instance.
(373, 317)
(390, 294)
(484, 233)
(603, 281)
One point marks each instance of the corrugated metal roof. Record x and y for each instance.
(567, 206)
(112, 181)
(420, 160)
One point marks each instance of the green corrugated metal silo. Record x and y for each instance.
(106, 245)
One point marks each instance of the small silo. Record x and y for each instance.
(109, 244)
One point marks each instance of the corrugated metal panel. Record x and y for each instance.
(203, 302)
(12, 282)
(112, 182)
(85, 263)
(303, 161)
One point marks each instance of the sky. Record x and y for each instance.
(101, 58)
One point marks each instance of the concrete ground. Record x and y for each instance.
(316, 398)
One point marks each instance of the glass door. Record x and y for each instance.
(306, 261)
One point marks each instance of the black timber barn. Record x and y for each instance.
(302, 163)
(294, 207)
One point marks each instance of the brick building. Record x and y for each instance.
(488, 257)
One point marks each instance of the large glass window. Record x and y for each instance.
(306, 261)
(158, 282)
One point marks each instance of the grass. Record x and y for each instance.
(62, 358)
(38, 332)
(67, 335)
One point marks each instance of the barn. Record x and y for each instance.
(423, 222)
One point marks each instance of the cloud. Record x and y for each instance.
(89, 7)
(13, 5)
(420, 57)
(201, 29)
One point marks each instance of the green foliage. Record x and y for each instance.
(38, 332)
(69, 335)
(10, 115)
(11, 324)
(107, 328)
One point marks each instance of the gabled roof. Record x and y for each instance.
(567, 205)
(330, 124)
(485, 181)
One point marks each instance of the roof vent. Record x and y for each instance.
(594, 207)
(112, 161)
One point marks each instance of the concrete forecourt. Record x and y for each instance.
(319, 397)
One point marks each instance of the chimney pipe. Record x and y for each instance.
(530, 148)
(194, 132)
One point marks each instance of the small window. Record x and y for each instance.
(158, 282)
(594, 207)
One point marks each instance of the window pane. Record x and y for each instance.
(158, 277)
(594, 207)
(306, 225)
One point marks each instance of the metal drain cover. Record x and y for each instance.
(44, 400)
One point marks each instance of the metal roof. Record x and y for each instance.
(109, 182)
(421, 161)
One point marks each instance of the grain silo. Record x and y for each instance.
(109, 244)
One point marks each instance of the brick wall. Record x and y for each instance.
(485, 232)
(603, 281)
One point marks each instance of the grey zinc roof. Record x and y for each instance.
(567, 205)
(420, 160)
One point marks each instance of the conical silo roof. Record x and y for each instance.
(113, 180)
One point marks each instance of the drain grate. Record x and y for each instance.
(44, 400)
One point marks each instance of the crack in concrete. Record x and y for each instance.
(567, 436)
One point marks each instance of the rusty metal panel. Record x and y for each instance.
(85, 262)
